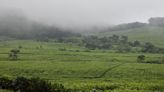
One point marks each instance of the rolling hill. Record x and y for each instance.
(145, 34)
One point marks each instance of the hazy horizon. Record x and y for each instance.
(86, 13)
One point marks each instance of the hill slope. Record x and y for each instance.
(144, 34)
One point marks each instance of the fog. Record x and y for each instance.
(85, 13)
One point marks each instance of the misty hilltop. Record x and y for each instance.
(17, 25)
(154, 21)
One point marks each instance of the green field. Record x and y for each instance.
(80, 69)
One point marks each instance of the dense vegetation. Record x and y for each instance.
(120, 44)
(22, 84)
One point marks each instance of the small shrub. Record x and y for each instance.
(87, 50)
(156, 88)
(155, 61)
(109, 87)
(20, 47)
(62, 49)
(77, 50)
(13, 55)
(140, 58)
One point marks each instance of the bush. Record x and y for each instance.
(156, 88)
(141, 59)
(22, 84)
(5, 83)
(123, 48)
(153, 61)
(87, 50)
(20, 47)
(13, 55)
(109, 87)
(160, 61)
(62, 49)
(77, 50)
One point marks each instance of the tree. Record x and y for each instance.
(136, 43)
(115, 38)
(104, 39)
(105, 46)
(140, 58)
(148, 47)
(91, 42)
(124, 39)
(124, 48)
(13, 55)
(91, 46)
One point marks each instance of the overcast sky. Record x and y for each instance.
(81, 13)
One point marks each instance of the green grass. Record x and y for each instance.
(81, 70)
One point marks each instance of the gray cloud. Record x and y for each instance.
(85, 13)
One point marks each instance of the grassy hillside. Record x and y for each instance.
(145, 34)
(80, 69)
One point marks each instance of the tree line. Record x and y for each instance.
(120, 44)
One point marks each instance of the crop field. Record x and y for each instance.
(81, 69)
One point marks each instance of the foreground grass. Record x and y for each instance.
(80, 70)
